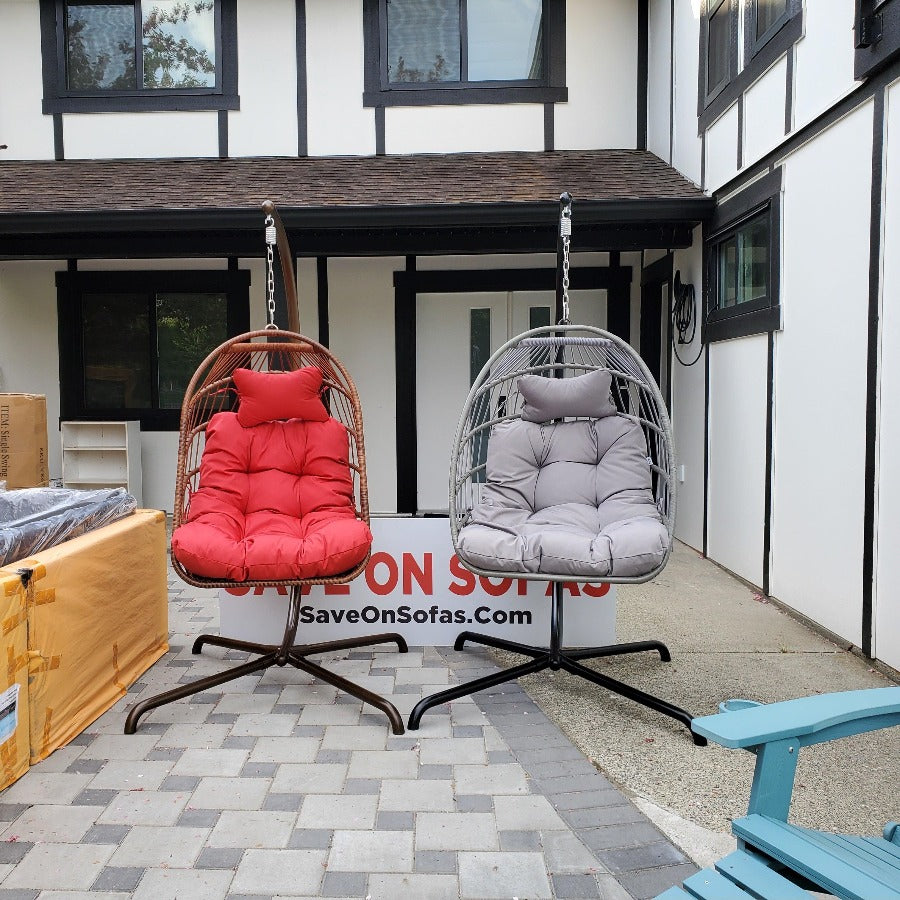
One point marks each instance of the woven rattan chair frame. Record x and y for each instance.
(559, 351)
(212, 390)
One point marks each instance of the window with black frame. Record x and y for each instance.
(457, 51)
(137, 339)
(144, 54)
(727, 68)
(743, 261)
(720, 65)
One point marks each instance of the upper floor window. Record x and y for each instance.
(770, 28)
(464, 51)
(144, 54)
(721, 62)
(766, 17)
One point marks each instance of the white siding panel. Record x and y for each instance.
(688, 398)
(462, 129)
(266, 123)
(659, 74)
(687, 150)
(142, 135)
(27, 132)
(308, 292)
(721, 149)
(159, 458)
(338, 123)
(823, 70)
(361, 291)
(764, 113)
(29, 355)
(887, 574)
(601, 75)
(737, 455)
(820, 378)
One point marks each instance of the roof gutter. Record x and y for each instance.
(691, 211)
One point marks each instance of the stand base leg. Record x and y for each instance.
(561, 659)
(273, 655)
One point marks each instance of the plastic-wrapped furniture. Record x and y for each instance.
(776, 860)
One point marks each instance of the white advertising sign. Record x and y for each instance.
(415, 585)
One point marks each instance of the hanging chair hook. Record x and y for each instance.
(271, 240)
(276, 237)
(565, 234)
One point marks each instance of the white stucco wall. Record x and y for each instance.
(764, 112)
(23, 128)
(601, 75)
(29, 354)
(721, 149)
(688, 400)
(820, 377)
(361, 314)
(659, 79)
(266, 123)
(337, 121)
(887, 573)
(144, 135)
(687, 145)
(737, 455)
(461, 129)
(824, 62)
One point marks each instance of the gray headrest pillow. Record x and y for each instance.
(555, 398)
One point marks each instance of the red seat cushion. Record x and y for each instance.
(275, 502)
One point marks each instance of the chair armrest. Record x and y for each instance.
(808, 720)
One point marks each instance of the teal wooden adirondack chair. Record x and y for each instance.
(778, 860)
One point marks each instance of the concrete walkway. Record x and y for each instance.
(276, 786)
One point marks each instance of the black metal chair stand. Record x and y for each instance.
(270, 655)
(556, 658)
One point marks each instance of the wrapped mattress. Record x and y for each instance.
(34, 519)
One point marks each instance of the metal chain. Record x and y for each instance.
(565, 231)
(271, 238)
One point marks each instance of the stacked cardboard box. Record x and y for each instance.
(23, 440)
(81, 622)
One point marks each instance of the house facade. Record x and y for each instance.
(731, 163)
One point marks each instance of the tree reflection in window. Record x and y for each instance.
(177, 50)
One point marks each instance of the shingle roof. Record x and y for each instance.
(308, 183)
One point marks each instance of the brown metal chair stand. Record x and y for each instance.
(212, 390)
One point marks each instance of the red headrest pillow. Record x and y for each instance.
(270, 396)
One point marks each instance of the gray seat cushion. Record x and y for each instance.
(566, 498)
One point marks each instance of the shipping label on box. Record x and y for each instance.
(23, 440)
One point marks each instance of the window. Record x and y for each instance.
(144, 54)
(770, 28)
(464, 51)
(743, 260)
(130, 341)
(877, 35)
(720, 19)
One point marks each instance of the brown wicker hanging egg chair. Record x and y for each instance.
(213, 390)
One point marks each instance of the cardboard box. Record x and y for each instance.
(14, 719)
(23, 440)
(97, 619)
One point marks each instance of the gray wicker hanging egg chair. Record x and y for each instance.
(563, 470)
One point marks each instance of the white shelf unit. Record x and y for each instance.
(102, 455)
